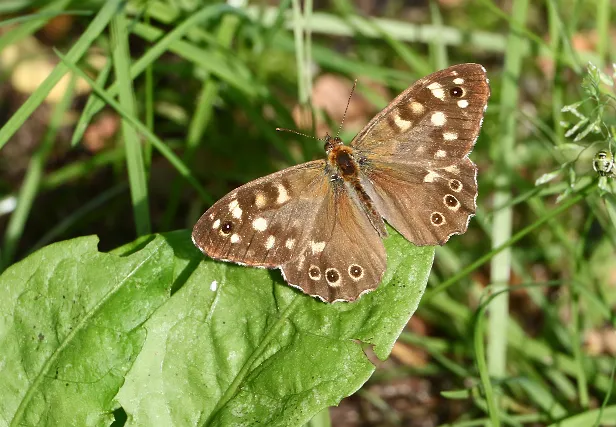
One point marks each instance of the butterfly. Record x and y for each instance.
(322, 222)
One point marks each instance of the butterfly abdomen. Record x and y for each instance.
(369, 207)
(342, 160)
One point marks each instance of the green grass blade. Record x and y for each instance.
(606, 400)
(500, 266)
(158, 144)
(557, 81)
(88, 111)
(75, 170)
(414, 61)
(482, 367)
(97, 25)
(298, 37)
(519, 235)
(165, 43)
(587, 418)
(32, 25)
(132, 144)
(38, 16)
(32, 180)
(332, 25)
(438, 50)
(201, 118)
(543, 398)
(604, 9)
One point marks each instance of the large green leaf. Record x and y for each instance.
(71, 325)
(232, 346)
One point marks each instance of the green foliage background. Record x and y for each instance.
(200, 88)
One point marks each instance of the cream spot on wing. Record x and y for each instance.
(259, 224)
(438, 118)
(317, 247)
(283, 196)
(237, 212)
(216, 224)
(431, 176)
(269, 244)
(302, 259)
(235, 238)
(450, 136)
(212, 215)
(440, 154)
(454, 73)
(289, 243)
(417, 107)
(463, 103)
(452, 169)
(458, 81)
(437, 90)
(260, 200)
(234, 204)
(402, 124)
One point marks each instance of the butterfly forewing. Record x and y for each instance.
(416, 166)
(425, 118)
(263, 223)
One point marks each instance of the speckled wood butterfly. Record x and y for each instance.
(321, 222)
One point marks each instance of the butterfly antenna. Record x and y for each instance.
(347, 108)
(298, 133)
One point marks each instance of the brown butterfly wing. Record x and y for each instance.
(298, 220)
(344, 256)
(425, 213)
(262, 222)
(415, 154)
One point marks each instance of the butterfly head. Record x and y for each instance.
(331, 142)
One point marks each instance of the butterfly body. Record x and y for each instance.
(346, 167)
(322, 222)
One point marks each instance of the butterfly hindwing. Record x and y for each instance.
(416, 150)
(344, 257)
(425, 206)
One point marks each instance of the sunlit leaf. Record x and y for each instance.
(89, 331)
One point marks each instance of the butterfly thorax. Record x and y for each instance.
(341, 159)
